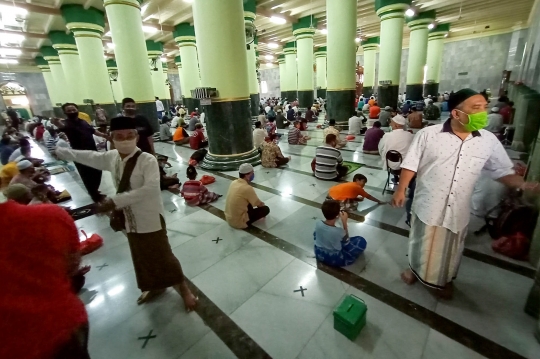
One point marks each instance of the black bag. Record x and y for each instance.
(199, 155)
(118, 220)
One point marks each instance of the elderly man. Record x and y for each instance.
(240, 211)
(447, 160)
(385, 116)
(396, 140)
(495, 121)
(135, 173)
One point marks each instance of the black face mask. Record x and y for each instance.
(73, 115)
(130, 112)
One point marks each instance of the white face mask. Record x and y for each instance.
(126, 147)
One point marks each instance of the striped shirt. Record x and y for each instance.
(326, 160)
(294, 136)
(51, 143)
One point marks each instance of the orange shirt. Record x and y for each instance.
(371, 102)
(345, 191)
(179, 134)
(374, 112)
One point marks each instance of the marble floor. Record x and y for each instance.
(249, 281)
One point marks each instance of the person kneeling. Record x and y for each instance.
(349, 194)
(332, 244)
(271, 154)
(194, 192)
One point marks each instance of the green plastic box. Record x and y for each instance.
(350, 316)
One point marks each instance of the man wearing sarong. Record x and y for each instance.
(447, 160)
(156, 267)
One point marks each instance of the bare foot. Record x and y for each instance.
(190, 301)
(149, 295)
(408, 277)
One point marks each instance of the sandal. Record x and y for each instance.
(149, 295)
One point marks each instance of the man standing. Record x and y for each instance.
(156, 267)
(146, 141)
(446, 160)
(241, 200)
(159, 108)
(80, 135)
(396, 140)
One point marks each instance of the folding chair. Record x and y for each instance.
(392, 156)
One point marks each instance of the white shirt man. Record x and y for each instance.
(427, 99)
(159, 105)
(355, 125)
(258, 137)
(495, 121)
(202, 117)
(396, 140)
(174, 122)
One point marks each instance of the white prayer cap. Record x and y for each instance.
(399, 120)
(245, 168)
(494, 109)
(24, 164)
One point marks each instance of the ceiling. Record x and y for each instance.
(35, 18)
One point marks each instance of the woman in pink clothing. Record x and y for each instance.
(194, 192)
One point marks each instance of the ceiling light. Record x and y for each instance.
(8, 61)
(269, 57)
(273, 45)
(357, 39)
(324, 31)
(107, 34)
(188, 1)
(269, 64)
(278, 20)
(143, 9)
(10, 52)
(11, 38)
(430, 26)
(275, 7)
(409, 12)
(12, 10)
(445, 35)
(149, 29)
(163, 59)
(110, 45)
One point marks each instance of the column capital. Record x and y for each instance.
(154, 48)
(320, 52)
(371, 43)
(305, 27)
(421, 20)
(304, 33)
(281, 59)
(63, 43)
(134, 3)
(389, 9)
(249, 16)
(79, 19)
(184, 34)
(439, 31)
(290, 48)
(178, 61)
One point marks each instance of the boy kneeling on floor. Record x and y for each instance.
(350, 193)
(332, 244)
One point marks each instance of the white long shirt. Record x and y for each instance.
(495, 123)
(258, 137)
(159, 106)
(396, 140)
(142, 204)
(447, 169)
(355, 124)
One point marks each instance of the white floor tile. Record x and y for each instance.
(209, 347)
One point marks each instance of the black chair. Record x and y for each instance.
(392, 156)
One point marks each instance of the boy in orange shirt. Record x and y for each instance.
(350, 193)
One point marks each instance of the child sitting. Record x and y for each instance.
(171, 183)
(332, 244)
(194, 192)
(350, 193)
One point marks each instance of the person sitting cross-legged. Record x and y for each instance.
(180, 137)
(331, 129)
(271, 156)
(333, 246)
(328, 163)
(295, 136)
(350, 193)
(194, 192)
(197, 139)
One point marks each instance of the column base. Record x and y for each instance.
(230, 136)
(191, 104)
(430, 89)
(305, 98)
(415, 92)
(292, 96)
(58, 112)
(321, 93)
(340, 104)
(367, 91)
(283, 94)
(388, 96)
(148, 110)
(254, 104)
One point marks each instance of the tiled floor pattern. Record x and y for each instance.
(254, 282)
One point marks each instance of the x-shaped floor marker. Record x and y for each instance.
(102, 266)
(300, 290)
(147, 338)
(217, 240)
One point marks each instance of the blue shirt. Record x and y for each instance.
(5, 153)
(329, 237)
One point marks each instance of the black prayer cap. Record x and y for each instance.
(123, 123)
(458, 97)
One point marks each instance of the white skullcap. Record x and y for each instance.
(245, 168)
(24, 164)
(400, 120)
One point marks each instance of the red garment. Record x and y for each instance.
(39, 132)
(38, 310)
(195, 139)
(506, 113)
(192, 191)
(374, 112)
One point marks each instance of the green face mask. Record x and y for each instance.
(477, 121)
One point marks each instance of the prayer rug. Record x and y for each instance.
(353, 166)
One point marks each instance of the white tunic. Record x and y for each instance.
(447, 169)
(142, 204)
(396, 140)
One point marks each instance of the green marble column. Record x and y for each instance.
(249, 17)
(57, 73)
(71, 64)
(341, 59)
(43, 65)
(154, 50)
(124, 17)
(114, 83)
(392, 14)
(434, 58)
(370, 47)
(303, 31)
(282, 76)
(292, 71)
(418, 43)
(184, 35)
(320, 62)
(220, 30)
(87, 26)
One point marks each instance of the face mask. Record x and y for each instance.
(252, 177)
(73, 115)
(130, 111)
(125, 147)
(477, 121)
